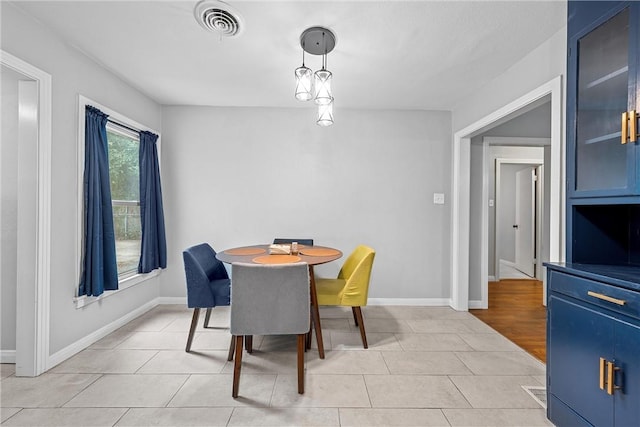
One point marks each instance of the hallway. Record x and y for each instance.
(516, 311)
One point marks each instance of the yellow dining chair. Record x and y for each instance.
(351, 287)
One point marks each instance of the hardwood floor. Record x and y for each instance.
(516, 311)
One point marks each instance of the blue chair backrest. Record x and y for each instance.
(201, 267)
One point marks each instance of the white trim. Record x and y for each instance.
(7, 356)
(126, 283)
(36, 363)
(430, 302)
(507, 263)
(172, 300)
(491, 278)
(477, 304)
(82, 300)
(459, 282)
(76, 347)
(484, 231)
(507, 141)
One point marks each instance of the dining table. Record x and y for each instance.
(312, 255)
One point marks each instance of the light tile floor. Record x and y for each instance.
(425, 366)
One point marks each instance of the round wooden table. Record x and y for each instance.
(315, 255)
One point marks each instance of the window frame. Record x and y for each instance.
(127, 281)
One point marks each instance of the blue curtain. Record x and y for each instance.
(154, 245)
(100, 271)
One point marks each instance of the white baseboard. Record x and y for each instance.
(81, 344)
(430, 302)
(7, 356)
(172, 300)
(491, 278)
(508, 263)
(476, 304)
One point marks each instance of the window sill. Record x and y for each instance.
(125, 283)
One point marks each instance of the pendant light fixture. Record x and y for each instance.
(317, 41)
(325, 114)
(304, 82)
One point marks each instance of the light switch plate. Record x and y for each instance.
(438, 198)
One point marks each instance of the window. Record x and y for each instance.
(136, 250)
(124, 174)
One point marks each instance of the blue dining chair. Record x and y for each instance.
(208, 284)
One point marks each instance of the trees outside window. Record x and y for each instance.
(124, 174)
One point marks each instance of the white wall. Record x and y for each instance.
(9, 182)
(73, 74)
(538, 67)
(241, 176)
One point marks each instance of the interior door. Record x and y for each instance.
(524, 224)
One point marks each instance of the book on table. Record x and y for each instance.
(279, 249)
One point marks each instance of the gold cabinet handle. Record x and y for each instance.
(602, 362)
(624, 126)
(611, 387)
(606, 298)
(633, 132)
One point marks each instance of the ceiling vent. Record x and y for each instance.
(218, 17)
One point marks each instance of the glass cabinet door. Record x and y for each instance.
(603, 88)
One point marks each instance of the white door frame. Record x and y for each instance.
(460, 189)
(33, 302)
(499, 163)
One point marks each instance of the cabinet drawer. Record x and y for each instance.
(613, 298)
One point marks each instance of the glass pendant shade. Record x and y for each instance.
(304, 81)
(325, 114)
(323, 87)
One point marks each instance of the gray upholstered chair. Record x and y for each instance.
(269, 300)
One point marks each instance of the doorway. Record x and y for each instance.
(519, 216)
(26, 213)
(461, 276)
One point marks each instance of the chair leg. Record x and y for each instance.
(232, 348)
(236, 367)
(207, 316)
(355, 318)
(248, 343)
(301, 349)
(192, 330)
(309, 336)
(360, 323)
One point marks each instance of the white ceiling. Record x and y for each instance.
(389, 54)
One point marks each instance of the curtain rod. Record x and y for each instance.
(123, 125)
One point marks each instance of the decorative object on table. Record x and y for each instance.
(269, 300)
(317, 41)
(276, 249)
(351, 287)
(208, 284)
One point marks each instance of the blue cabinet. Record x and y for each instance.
(593, 305)
(593, 348)
(602, 104)
(603, 142)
